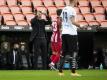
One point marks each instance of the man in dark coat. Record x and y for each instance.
(15, 57)
(38, 38)
(25, 56)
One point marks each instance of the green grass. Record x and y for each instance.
(51, 75)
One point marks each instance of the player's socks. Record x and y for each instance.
(52, 67)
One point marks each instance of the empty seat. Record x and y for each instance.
(2, 2)
(26, 9)
(22, 23)
(91, 23)
(67, 2)
(40, 8)
(99, 17)
(84, 23)
(95, 3)
(89, 17)
(52, 10)
(11, 2)
(60, 7)
(99, 9)
(18, 16)
(80, 17)
(37, 3)
(104, 3)
(104, 24)
(26, 2)
(84, 9)
(59, 3)
(29, 16)
(7, 17)
(10, 23)
(15, 9)
(83, 2)
(77, 10)
(48, 2)
(4, 9)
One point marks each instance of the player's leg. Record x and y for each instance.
(73, 70)
(44, 53)
(52, 57)
(52, 63)
(73, 50)
(36, 48)
(57, 50)
(56, 58)
(62, 56)
(53, 53)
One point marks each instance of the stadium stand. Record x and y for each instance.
(89, 17)
(18, 16)
(83, 23)
(60, 7)
(7, 17)
(11, 2)
(20, 19)
(80, 17)
(26, 2)
(103, 24)
(26, 9)
(104, 3)
(29, 16)
(4, 9)
(95, 3)
(77, 10)
(37, 3)
(100, 17)
(84, 9)
(40, 8)
(66, 2)
(95, 9)
(91, 23)
(59, 3)
(99, 9)
(48, 2)
(52, 10)
(15, 9)
(83, 2)
(2, 2)
(22, 23)
(10, 23)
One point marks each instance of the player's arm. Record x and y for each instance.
(73, 20)
(60, 27)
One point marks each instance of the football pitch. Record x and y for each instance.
(51, 75)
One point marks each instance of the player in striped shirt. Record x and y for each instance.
(56, 41)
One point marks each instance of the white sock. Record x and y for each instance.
(52, 63)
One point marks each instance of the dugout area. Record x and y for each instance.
(88, 41)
